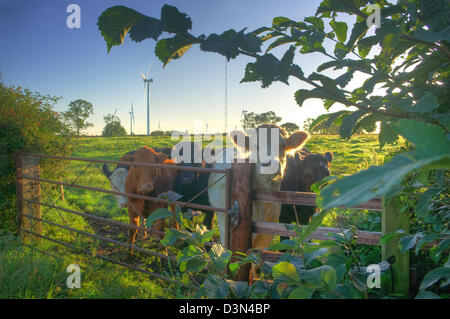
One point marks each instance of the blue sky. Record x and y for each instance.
(38, 51)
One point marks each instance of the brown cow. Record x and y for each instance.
(150, 181)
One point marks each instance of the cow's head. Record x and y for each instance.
(186, 153)
(313, 168)
(141, 178)
(267, 146)
(117, 179)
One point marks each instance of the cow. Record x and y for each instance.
(268, 212)
(118, 176)
(149, 181)
(302, 170)
(190, 184)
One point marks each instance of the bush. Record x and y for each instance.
(29, 123)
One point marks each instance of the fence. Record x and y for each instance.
(239, 228)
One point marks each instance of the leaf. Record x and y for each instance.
(387, 133)
(366, 44)
(226, 44)
(215, 287)
(358, 31)
(320, 277)
(430, 37)
(426, 104)
(286, 272)
(349, 122)
(427, 295)
(423, 204)
(158, 214)
(434, 276)
(315, 222)
(389, 236)
(115, 22)
(220, 256)
(172, 48)
(408, 242)
(171, 236)
(301, 293)
(432, 148)
(309, 257)
(145, 28)
(340, 28)
(174, 21)
(301, 95)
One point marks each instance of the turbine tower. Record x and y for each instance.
(226, 95)
(147, 80)
(131, 119)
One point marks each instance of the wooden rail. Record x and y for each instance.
(305, 199)
(321, 233)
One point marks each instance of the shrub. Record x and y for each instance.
(29, 123)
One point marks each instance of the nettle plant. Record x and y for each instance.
(405, 61)
(305, 270)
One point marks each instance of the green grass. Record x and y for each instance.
(25, 273)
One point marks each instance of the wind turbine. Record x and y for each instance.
(244, 114)
(147, 81)
(131, 119)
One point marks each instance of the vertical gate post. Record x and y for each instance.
(393, 219)
(28, 189)
(241, 226)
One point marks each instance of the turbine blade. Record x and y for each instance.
(142, 74)
(149, 67)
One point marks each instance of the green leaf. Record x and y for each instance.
(340, 28)
(171, 236)
(115, 22)
(146, 28)
(430, 37)
(366, 44)
(286, 272)
(309, 257)
(358, 31)
(315, 222)
(226, 44)
(408, 242)
(215, 287)
(302, 95)
(301, 293)
(387, 135)
(172, 48)
(426, 104)
(432, 148)
(389, 236)
(434, 276)
(427, 295)
(321, 277)
(158, 214)
(174, 21)
(220, 256)
(346, 129)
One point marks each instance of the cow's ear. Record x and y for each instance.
(328, 156)
(296, 140)
(127, 158)
(240, 139)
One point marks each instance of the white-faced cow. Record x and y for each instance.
(266, 146)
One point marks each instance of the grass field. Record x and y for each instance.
(104, 280)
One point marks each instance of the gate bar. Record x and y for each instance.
(142, 250)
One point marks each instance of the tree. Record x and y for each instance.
(412, 66)
(253, 120)
(290, 127)
(77, 115)
(113, 126)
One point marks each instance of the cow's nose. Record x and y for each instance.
(145, 188)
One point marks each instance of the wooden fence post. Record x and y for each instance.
(27, 189)
(392, 219)
(241, 226)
